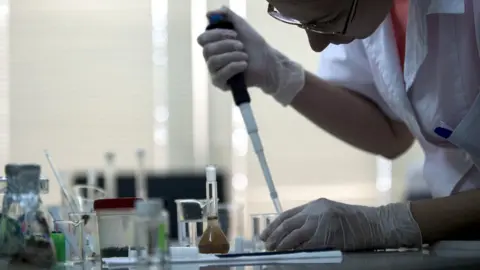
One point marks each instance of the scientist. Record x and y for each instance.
(391, 72)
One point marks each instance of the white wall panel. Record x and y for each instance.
(159, 28)
(80, 82)
(4, 82)
(180, 95)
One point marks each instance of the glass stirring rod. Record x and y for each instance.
(242, 100)
(70, 199)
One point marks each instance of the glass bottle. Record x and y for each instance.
(24, 230)
(213, 240)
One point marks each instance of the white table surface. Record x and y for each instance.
(443, 258)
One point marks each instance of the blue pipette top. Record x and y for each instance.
(216, 18)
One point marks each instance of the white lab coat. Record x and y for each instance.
(415, 185)
(439, 87)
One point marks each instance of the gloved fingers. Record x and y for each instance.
(321, 238)
(218, 62)
(298, 236)
(220, 47)
(325, 232)
(221, 77)
(284, 229)
(279, 220)
(214, 35)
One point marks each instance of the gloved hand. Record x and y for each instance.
(327, 224)
(229, 52)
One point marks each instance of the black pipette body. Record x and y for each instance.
(237, 82)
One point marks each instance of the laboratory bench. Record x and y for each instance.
(424, 260)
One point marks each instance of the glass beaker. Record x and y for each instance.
(231, 219)
(151, 232)
(268, 219)
(85, 196)
(74, 240)
(90, 233)
(259, 223)
(191, 221)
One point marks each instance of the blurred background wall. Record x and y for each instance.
(84, 77)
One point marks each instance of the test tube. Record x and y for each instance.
(91, 182)
(110, 174)
(140, 180)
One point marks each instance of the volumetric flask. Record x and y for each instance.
(191, 221)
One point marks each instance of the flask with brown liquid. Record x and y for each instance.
(213, 240)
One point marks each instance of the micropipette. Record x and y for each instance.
(242, 100)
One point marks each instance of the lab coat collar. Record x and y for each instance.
(416, 45)
(385, 65)
(444, 6)
(384, 61)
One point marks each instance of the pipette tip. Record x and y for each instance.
(211, 173)
(277, 205)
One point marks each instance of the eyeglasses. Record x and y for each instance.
(317, 27)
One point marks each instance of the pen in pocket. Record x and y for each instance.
(443, 132)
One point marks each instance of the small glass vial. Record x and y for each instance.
(152, 232)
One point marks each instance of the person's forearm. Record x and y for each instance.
(351, 118)
(449, 218)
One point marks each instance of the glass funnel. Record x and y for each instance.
(85, 195)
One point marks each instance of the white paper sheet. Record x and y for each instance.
(304, 257)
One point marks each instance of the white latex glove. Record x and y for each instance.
(327, 224)
(229, 52)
